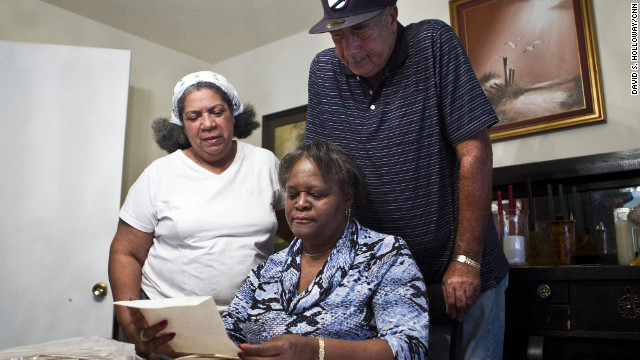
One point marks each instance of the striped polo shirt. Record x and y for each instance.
(403, 134)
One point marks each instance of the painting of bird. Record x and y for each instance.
(532, 46)
(513, 44)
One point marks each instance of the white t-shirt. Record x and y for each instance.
(209, 230)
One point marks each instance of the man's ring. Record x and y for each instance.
(142, 338)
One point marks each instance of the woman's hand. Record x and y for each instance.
(128, 253)
(148, 342)
(285, 347)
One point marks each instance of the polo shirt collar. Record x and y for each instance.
(398, 55)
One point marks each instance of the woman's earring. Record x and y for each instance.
(348, 213)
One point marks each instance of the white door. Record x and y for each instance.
(62, 124)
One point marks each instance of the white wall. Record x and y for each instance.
(274, 77)
(280, 83)
(154, 69)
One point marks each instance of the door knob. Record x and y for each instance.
(99, 290)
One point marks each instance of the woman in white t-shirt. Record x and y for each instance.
(199, 219)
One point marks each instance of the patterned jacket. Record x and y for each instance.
(370, 287)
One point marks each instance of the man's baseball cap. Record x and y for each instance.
(340, 14)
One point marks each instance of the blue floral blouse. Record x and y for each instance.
(370, 287)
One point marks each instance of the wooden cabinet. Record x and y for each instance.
(573, 312)
(583, 311)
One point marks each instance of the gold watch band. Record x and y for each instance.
(466, 260)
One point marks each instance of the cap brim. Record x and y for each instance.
(326, 25)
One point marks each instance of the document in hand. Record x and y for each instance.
(196, 322)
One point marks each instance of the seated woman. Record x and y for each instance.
(340, 290)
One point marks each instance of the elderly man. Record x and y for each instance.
(406, 105)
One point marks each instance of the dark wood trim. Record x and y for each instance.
(577, 272)
(592, 172)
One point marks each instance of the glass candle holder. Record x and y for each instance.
(626, 237)
(513, 228)
(563, 241)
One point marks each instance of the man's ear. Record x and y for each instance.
(393, 14)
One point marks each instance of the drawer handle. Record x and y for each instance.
(544, 291)
(629, 306)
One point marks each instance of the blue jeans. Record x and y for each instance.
(483, 330)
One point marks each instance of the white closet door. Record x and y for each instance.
(62, 125)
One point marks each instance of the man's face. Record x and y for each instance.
(366, 47)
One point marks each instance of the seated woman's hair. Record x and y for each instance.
(171, 137)
(334, 164)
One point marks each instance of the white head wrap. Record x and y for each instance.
(204, 76)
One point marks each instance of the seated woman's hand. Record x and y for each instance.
(149, 343)
(285, 347)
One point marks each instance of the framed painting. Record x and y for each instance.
(284, 130)
(536, 60)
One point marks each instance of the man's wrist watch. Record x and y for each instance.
(466, 260)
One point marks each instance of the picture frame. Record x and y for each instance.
(536, 60)
(284, 130)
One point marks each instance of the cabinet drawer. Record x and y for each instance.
(539, 317)
(539, 291)
(606, 305)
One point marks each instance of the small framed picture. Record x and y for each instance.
(284, 130)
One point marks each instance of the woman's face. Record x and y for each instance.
(208, 124)
(315, 210)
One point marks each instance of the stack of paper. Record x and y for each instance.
(80, 348)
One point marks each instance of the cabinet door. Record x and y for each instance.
(617, 303)
(61, 147)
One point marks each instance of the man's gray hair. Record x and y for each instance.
(384, 14)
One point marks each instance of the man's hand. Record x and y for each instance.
(461, 289)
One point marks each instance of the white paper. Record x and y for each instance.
(195, 320)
